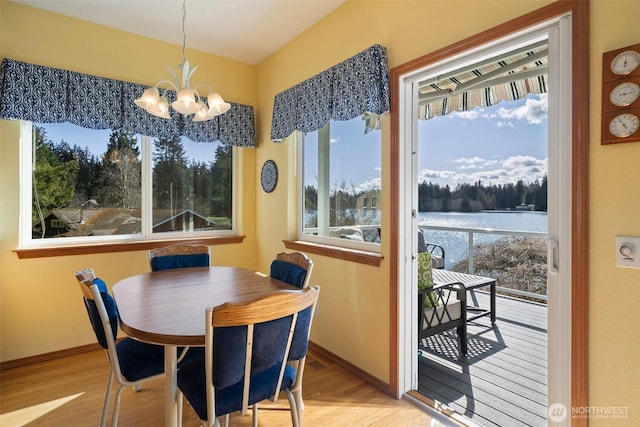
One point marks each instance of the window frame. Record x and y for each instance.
(30, 248)
(371, 248)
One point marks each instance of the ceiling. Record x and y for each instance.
(244, 30)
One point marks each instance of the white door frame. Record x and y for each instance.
(559, 214)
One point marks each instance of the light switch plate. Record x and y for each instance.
(628, 251)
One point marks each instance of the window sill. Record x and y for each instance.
(353, 255)
(121, 247)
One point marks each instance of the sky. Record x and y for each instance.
(497, 145)
(96, 140)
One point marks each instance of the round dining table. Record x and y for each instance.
(168, 308)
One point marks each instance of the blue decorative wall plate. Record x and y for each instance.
(269, 176)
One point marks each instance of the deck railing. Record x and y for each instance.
(470, 232)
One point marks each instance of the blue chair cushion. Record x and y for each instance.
(300, 341)
(94, 316)
(229, 351)
(191, 381)
(287, 272)
(102, 286)
(139, 360)
(168, 262)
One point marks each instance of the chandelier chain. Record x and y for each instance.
(184, 31)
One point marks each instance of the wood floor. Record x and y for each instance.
(69, 392)
(503, 380)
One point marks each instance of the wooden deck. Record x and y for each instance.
(503, 379)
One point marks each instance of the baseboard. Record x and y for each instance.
(350, 367)
(321, 351)
(48, 356)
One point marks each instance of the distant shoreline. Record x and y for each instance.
(511, 211)
(487, 211)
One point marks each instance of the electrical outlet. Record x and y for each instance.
(628, 251)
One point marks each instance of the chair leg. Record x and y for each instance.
(299, 390)
(107, 396)
(462, 333)
(116, 407)
(180, 405)
(296, 414)
(254, 415)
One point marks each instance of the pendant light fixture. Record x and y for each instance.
(188, 101)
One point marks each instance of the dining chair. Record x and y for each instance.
(132, 362)
(179, 256)
(247, 347)
(293, 268)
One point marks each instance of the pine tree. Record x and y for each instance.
(53, 179)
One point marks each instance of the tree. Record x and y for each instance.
(89, 175)
(221, 181)
(170, 189)
(121, 179)
(53, 179)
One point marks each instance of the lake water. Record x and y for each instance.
(456, 243)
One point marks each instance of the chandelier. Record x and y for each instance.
(188, 101)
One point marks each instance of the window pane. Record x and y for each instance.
(85, 182)
(341, 182)
(88, 183)
(192, 186)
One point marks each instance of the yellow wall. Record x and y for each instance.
(41, 310)
(614, 292)
(353, 318)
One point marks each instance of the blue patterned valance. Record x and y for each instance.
(347, 90)
(50, 95)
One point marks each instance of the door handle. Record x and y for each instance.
(552, 256)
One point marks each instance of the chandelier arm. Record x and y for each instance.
(209, 88)
(171, 84)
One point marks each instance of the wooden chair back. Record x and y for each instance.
(179, 256)
(247, 342)
(178, 250)
(299, 259)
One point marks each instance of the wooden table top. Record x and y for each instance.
(167, 307)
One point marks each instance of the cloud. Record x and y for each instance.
(533, 111)
(370, 184)
(469, 115)
(494, 172)
(473, 162)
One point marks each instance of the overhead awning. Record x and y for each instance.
(509, 76)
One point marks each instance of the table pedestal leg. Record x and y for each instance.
(170, 387)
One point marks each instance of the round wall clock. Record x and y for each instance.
(621, 95)
(625, 62)
(624, 94)
(269, 176)
(624, 125)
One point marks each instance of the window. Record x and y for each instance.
(82, 185)
(340, 184)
